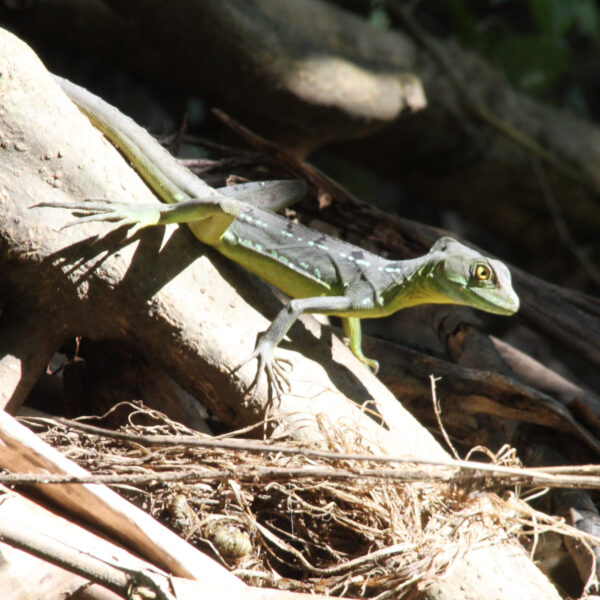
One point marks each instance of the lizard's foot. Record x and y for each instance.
(272, 368)
(135, 216)
(371, 364)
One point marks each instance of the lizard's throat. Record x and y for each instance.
(416, 286)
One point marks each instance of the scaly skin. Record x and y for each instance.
(320, 273)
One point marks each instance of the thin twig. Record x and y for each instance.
(324, 185)
(438, 415)
(543, 476)
(559, 222)
(239, 473)
(472, 470)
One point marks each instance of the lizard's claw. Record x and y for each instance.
(135, 216)
(278, 375)
(272, 368)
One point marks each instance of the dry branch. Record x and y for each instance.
(84, 287)
(320, 507)
(26, 524)
(238, 55)
(24, 452)
(347, 465)
(185, 312)
(569, 317)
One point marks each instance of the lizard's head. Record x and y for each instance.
(464, 276)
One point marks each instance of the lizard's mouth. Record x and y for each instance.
(507, 305)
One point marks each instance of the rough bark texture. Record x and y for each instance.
(569, 317)
(470, 392)
(185, 307)
(319, 75)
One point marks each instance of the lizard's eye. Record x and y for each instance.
(483, 273)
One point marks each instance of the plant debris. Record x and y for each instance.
(371, 537)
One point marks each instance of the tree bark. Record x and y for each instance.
(186, 307)
(318, 75)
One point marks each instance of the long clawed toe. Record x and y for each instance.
(91, 218)
(276, 374)
(89, 205)
(93, 210)
(116, 221)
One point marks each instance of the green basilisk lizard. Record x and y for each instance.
(320, 273)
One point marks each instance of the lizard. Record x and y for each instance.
(320, 273)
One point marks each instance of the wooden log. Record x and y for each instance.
(183, 305)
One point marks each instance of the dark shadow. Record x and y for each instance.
(260, 296)
(154, 264)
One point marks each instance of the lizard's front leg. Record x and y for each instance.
(352, 330)
(268, 365)
(221, 211)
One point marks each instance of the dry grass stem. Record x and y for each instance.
(326, 520)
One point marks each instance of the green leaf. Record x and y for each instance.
(543, 16)
(379, 18)
(463, 23)
(553, 17)
(532, 62)
(557, 17)
(586, 18)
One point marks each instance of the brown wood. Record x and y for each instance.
(184, 306)
(240, 53)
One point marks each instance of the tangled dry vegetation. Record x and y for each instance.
(289, 520)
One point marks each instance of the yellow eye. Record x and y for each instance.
(482, 273)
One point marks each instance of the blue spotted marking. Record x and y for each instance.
(303, 268)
